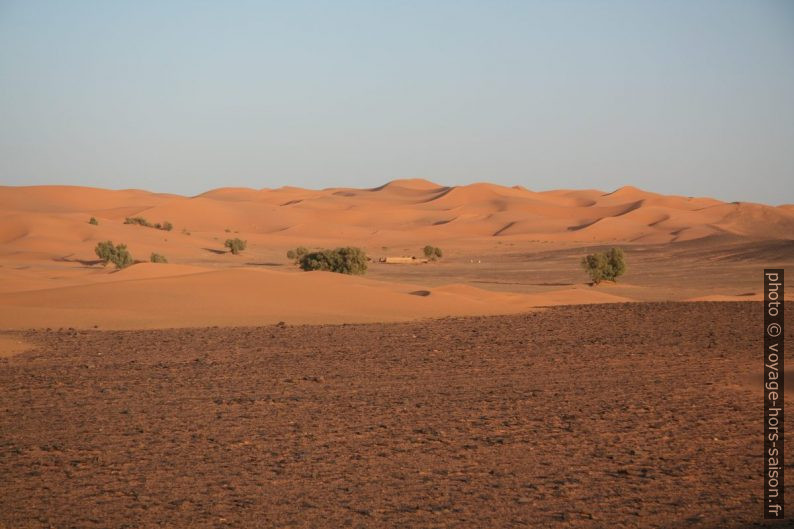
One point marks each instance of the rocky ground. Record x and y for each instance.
(629, 415)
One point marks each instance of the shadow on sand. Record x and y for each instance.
(84, 262)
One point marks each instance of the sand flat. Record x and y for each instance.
(143, 297)
(12, 344)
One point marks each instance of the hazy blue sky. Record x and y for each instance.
(689, 97)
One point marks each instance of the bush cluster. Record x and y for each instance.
(157, 258)
(605, 266)
(140, 221)
(116, 254)
(235, 245)
(296, 254)
(93, 221)
(137, 220)
(433, 252)
(347, 260)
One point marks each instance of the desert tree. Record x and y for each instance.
(605, 266)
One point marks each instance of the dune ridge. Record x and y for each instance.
(405, 208)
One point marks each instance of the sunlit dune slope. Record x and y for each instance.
(403, 210)
(35, 219)
(148, 296)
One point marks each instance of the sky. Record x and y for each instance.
(686, 97)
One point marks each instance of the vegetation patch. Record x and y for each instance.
(157, 258)
(297, 254)
(605, 266)
(235, 245)
(116, 254)
(140, 221)
(347, 260)
(433, 253)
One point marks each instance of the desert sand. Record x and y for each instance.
(507, 250)
(493, 388)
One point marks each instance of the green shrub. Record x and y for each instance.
(93, 221)
(348, 260)
(157, 258)
(123, 257)
(105, 250)
(140, 221)
(116, 254)
(433, 253)
(605, 266)
(296, 254)
(235, 245)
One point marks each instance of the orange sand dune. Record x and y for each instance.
(410, 183)
(401, 209)
(49, 275)
(145, 297)
(65, 199)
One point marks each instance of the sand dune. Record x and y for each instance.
(151, 296)
(477, 210)
(68, 199)
(49, 274)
